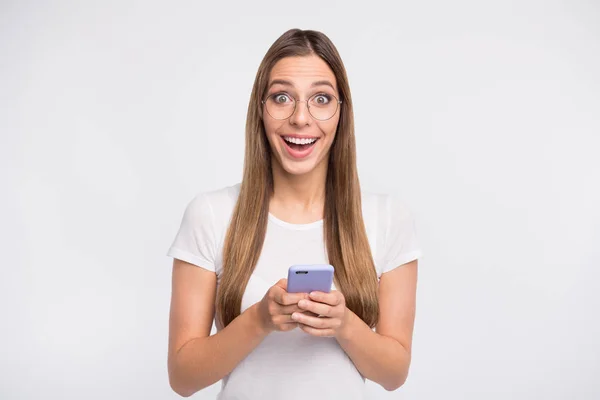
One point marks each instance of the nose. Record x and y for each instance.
(300, 114)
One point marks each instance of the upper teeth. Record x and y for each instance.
(299, 141)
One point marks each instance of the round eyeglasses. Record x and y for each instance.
(321, 106)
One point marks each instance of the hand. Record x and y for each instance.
(331, 307)
(277, 306)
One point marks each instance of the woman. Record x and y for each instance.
(299, 202)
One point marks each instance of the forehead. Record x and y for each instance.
(302, 71)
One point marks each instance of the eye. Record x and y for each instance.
(322, 98)
(280, 98)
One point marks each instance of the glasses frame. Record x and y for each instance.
(296, 101)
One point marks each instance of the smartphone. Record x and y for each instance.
(306, 278)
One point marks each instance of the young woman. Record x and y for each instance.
(299, 202)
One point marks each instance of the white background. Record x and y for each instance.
(483, 116)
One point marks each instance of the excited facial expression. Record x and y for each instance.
(301, 143)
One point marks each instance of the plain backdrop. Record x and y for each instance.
(483, 116)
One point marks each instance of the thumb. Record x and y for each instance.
(282, 283)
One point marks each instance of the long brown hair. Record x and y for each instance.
(345, 236)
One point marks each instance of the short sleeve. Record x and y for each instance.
(195, 241)
(401, 243)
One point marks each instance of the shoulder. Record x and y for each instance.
(379, 207)
(371, 201)
(218, 203)
(390, 228)
(224, 198)
(203, 227)
(209, 211)
(379, 210)
(220, 197)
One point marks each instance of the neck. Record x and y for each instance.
(299, 193)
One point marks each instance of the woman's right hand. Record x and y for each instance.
(276, 308)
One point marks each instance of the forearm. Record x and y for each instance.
(378, 358)
(205, 360)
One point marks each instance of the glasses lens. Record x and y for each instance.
(321, 106)
(280, 106)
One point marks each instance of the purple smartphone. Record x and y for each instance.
(309, 278)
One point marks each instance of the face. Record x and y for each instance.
(306, 77)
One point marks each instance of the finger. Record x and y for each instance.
(309, 313)
(278, 289)
(315, 322)
(317, 332)
(333, 298)
(280, 295)
(315, 307)
(283, 319)
(289, 309)
(285, 299)
(282, 283)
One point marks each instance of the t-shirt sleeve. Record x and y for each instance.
(401, 241)
(195, 241)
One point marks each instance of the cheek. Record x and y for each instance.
(268, 127)
(270, 131)
(330, 130)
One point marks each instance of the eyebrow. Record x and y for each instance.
(288, 83)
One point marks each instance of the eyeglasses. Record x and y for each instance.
(321, 106)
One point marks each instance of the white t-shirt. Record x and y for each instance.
(291, 365)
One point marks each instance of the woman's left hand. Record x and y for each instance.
(332, 310)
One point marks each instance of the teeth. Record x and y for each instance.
(299, 141)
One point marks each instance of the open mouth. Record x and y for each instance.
(299, 144)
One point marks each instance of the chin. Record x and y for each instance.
(298, 169)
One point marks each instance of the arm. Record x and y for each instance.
(382, 356)
(195, 359)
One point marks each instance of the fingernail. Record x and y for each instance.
(302, 303)
(294, 316)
